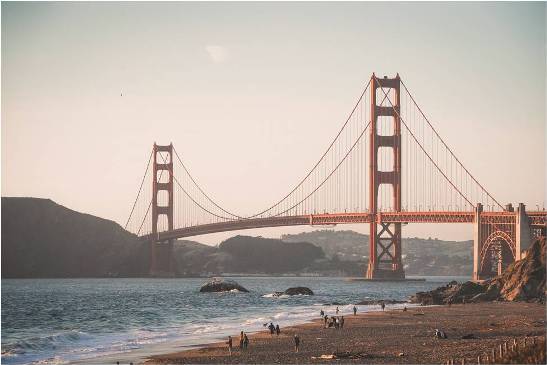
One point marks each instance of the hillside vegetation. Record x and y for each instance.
(420, 256)
(43, 239)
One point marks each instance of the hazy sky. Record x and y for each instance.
(251, 94)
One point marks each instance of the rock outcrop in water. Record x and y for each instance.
(221, 285)
(523, 280)
(299, 290)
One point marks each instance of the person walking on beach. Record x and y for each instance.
(271, 327)
(354, 310)
(337, 310)
(342, 322)
(322, 313)
(245, 341)
(383, 306)
(296, 343)
(241, 340)
(277, 329)
(229, 343)
(326, 318)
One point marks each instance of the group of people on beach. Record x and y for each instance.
(273, 329)
(243, 342)
(336, 322)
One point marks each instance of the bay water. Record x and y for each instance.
(58, 321)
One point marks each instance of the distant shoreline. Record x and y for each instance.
(384, 337)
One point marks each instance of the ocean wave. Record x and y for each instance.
(43, 342)
(276, 295)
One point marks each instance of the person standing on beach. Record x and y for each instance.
(271, 327)
(277, 329)
(337, 310)
(241, 340)
(354, 310)
(245, 341)
(296, 343)
(383, 306)
(322, 313)
(229, 345)
(342, 322)
(326, 318)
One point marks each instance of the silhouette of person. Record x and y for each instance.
(229, 343)
(296, 343)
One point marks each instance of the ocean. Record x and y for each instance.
(58, 321)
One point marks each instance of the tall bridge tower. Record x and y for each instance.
(385, 238)
(161, 251)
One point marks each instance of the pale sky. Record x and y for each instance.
(251, 94)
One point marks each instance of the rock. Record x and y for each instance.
(221, 285)
(523, 280)
(299, 290)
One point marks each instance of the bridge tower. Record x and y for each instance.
(385, 260)
(161, 252)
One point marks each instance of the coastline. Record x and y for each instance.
(393, 336)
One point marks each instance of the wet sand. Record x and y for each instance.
(384, 337)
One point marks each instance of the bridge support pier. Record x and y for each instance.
(499, 240)
(477, 242)
(523, 232)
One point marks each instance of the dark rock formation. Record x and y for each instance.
(221, 285)
(299, 290)
(523, 280)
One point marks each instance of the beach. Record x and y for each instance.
(393, 336)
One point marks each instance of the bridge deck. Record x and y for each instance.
(537, 218)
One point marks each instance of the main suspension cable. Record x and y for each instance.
(321, 159)
(140, 189)
(448, 148)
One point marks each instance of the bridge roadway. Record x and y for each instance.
(537, 219)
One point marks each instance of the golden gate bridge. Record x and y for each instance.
(386, 167)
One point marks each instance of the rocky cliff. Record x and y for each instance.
(523, 280)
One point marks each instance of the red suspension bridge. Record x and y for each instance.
(386, 167)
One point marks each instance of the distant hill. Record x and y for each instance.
(43, 239)
(420, 256)
(246, 255)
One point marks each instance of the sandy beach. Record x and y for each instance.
(384, 337)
